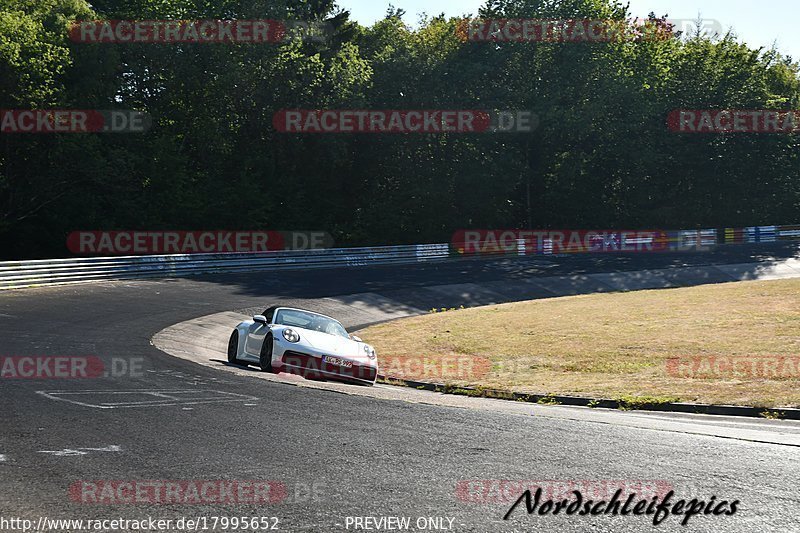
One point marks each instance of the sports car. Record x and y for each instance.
(297, 341)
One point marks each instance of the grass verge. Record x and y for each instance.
(735, 343)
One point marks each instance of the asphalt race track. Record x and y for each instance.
(339, 455)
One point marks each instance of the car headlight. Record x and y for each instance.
(291, 335)
(370, 351)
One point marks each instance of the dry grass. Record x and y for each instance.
(615, 345)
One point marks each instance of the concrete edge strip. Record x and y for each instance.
(601, 403)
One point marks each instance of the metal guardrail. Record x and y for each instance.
(506, 242)
(21, 274)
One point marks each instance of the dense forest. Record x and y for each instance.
(601, 156)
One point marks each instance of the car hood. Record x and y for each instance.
(332, 344)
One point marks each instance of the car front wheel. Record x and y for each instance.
(265, 360)
(233, 347)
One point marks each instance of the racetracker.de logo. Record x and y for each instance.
(73, 121)
(257, 31)
(494, 491)
(68, 367)
(572, 30)
(559, 241)
(733, 121)
(193, 242)
(403, 121)
(185, 492)
(439, 368)
(748, 367)
(693, 27)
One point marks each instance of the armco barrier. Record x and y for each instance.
(20, 274)
(505, 242)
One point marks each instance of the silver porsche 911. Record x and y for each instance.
(302, 342)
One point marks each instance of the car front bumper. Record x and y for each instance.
(309, 364)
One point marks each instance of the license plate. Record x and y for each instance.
(338, 361)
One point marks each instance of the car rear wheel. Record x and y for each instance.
(233, 347)
(265, 359)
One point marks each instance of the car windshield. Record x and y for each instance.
(312, 321)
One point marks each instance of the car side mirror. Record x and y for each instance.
(260, 319)
(356, 338)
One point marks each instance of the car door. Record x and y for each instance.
(256, 334)
(255, 338)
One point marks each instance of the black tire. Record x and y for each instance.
(265, 359)
(233, 347)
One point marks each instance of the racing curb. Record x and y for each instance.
(601, 403)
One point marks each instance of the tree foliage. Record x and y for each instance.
(602, 155)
